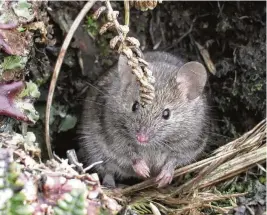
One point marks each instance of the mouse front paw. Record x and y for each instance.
(109, 181)
(165, 177)
(141, 168)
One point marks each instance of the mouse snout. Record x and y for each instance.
(142, 136)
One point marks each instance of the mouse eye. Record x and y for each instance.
(166, 113)
(135, 106)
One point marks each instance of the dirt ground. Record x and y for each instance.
(233, 33)
(229, 38)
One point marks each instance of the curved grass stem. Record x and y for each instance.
(56, 71)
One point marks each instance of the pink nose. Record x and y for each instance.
(142, 138)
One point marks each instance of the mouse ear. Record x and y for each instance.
(192, 78)
(124, 69)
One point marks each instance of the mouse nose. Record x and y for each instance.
(142, 137)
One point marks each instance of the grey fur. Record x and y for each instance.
(109, 126)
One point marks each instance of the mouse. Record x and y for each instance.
(135, 141)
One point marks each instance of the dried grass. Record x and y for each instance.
(225, 163)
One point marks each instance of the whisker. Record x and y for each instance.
(220, 135)
(110, 109)
(91, 85)
(160, 143)
(217, 120)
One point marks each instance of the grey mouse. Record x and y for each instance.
(151, 141)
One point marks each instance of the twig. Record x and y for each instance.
(235, 167)
(115, 21)
(205, 198)
(56, 71)
(205, 171)
(92, 165)
(154, 209)
(197, 201)
(182, 37)
(181, 171)
(261, 128)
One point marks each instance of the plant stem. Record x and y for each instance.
(60, 58)
(127, 12)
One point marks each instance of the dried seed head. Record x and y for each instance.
(142, 61)
(147, 90)
(112, 15)
(149, 75)
(138, 72)
(137, 51)
(109, 16)
(144, 5)
(114, 41)
(151, 4)
(151, 79)
(133, 62)
(144, 90)
(124, 29)
(147, 96)
(133, 41)
(127, 51)
(130, 47)
(146, 85)
(145, 101)
(98, 12)
(115, 14)
(147, 71)
(105, 27)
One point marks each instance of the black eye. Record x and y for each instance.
(135, 106)
(166, 113)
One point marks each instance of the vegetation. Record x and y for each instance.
(229, 38)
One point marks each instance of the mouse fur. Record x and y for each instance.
(109, 125)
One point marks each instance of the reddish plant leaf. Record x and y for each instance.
(8, 92)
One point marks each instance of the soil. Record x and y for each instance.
(233, 33)
(229, 38)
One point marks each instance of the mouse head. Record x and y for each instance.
(177, 109)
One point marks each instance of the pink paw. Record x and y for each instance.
(141, 168)
(165, 177)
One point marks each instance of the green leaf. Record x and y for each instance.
(23, 9)
(21, 29)
(31, 90)
(262, 179)
(67, 123)
(92, 26)
(63, 204)
(20, 197)
(14, 62)
(141, 207)
(58, 211)
(22, 210)
(73, 203)
(103, 211)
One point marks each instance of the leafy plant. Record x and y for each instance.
(14, 62)
(13, 200)
(73, 203)
(141, 208)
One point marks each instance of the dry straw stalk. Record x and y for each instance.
(226, 162)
